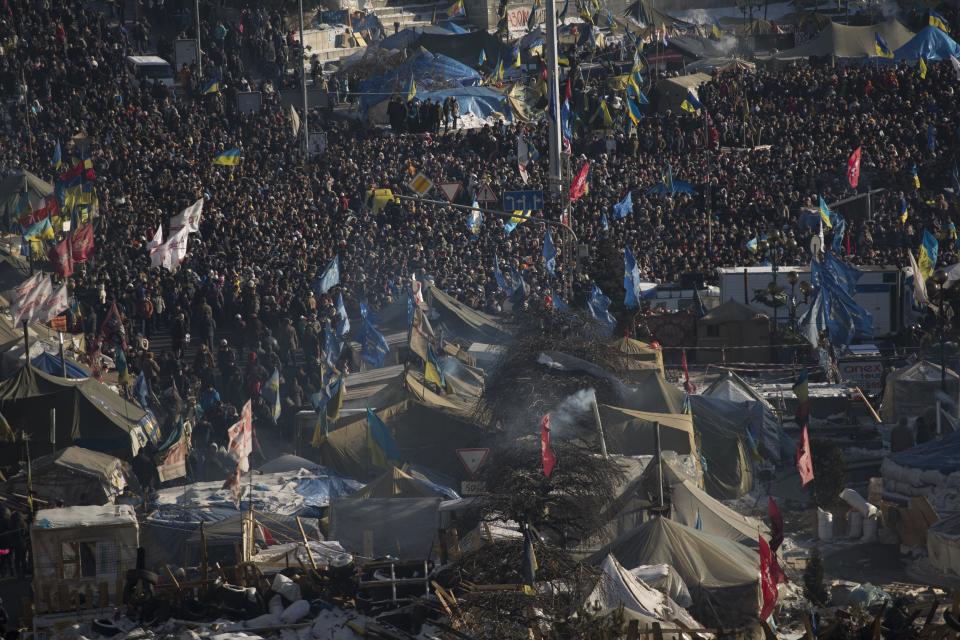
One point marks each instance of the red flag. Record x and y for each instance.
(82, 242)
(568, 91)
(853, 169)
(805, 458)
(776, 524)
(241, 437)
(50, 208)
(61, 258)
(579, 185)
(768, 580)
(112, 326)
(549, 460)
(268, 538)
(688, 386)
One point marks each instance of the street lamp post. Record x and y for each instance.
(939, 280)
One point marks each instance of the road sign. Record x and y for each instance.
(531, 200)
(472, 459)
(473, 488)
(450, 190)
(486, 194)
(420, 184)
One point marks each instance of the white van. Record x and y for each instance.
(150, 68)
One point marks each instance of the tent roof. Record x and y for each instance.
(700, 558)
(730, 311)
(646, 14)
(617, 587)
(941, 455)
(654, 393)
(49, 363)
(699, 47)
(466, 47)
(287, 463)
(86, 516)
(930, 43)
(398, 484)
(630, 432)
(81, 460)
(634, 347)
(921, 371)
(14, 184)
(732, 387)
(845, 41)
(430, 72)
(468, 323)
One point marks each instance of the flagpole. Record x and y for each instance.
(303, 76)
(196, 14)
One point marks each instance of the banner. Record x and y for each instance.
(61, 258)
(54, 305)
(853, 169)
(82, 242)
(189, 218)
(241, 438)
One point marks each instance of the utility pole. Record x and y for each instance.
(303, 77)
(196, 15)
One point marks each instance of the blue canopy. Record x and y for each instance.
(941, 455)
(49, 363)
(479, 101)
(931, 44)
(429, 71)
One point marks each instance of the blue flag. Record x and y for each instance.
(343, 322)
(623, 208)
(383, 449)
(498, 276)
(519, 293)
(374, 348)
(631, 278)
(598, 305)
(141, 391)
(550, 253)
(329, 278)
(839, 228)
(604, 223)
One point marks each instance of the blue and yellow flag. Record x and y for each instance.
(715, 30)
(411, 89)
(825, 213)
(922, 68)
(56, 161)
(383, 449)
(916, 176)
(229, 158)
(927, 260)
(603, 110)
(904, 211)
(633, 110)
(518, 218)
(881, 47)
(936, 20)
(690, 103)
(498, 71)
(213, 86)
(516, 63)
(433, 371)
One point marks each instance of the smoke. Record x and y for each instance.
(889, 9)
(565, 417)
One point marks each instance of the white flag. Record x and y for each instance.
(157, 239)
(188, 218)
(919, 285)
(158, 256)
(176, 249)
(523, 158)
(956, 66)
(27, 307)
(54, 305)
(294, 121)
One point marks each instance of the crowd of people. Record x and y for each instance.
(774, 141)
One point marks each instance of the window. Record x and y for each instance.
(79, 560)
(108, 558)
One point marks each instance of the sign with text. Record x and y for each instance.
(530, 200)
(865, 374)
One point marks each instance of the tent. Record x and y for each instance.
(466, 47)
(722, 436)
(429, 71)
(732, 396)
(669, 94)
(721, 65)
(721, 574)
(397, 484)
(844, 41)
(931, 44)
(941, 455)
(52, 364)
(617, 587)
(411, 36)
(645, 14)
(733, 325)
(688, 503)
(482, 102)
(653, 393)
(17, 184)
(664, 579)
(943, 545)
(912, 390)
(404, 528)
(639, 355)
(88, 413)
(464, 322)
(75, 476)
(631, 433)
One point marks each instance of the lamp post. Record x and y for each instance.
(775, 248)
(792, 278)
(940, 278)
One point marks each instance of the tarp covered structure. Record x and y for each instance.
(721, 574)
(429, 71)
(397, 484)
(482, 102)
(464, 322)
(404, 528)
(941, 455)
(931, 44)
(669, 94)
(912, 390)
(645, 14)
(844, 41)
(466, 47)
(653, 393)
(411, 36)
(53, 364)
(639, 355)
(689, 503)
(632, 433)
(75, 476)
(943, 545)
(724, 446)
(16, 186)
(739, 402)
(88, 413)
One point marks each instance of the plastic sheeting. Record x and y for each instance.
(936, 455)
(52, 364)
(931, 44)
(664, 579)
(482, 102)
(429, 71)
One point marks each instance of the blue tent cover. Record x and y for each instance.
(931, 44)
(49, 363)
(941, 455)
(429, 71)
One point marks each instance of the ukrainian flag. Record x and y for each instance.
(498, 72)
(41, 230)
(383, 450)
(927, 260)
(904, 212)
(922, 67)
(690, 103)
(212, 87)
(518, 218)
(229, 158)
(936, 20)
(57, 160)
(916, 176)
(433, 371)
(607, 118)
(516, 62)
(411, 89)
(715, 30)
(881, 47)
(633, 110)
(825, 213)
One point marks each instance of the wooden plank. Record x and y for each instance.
(313, 563)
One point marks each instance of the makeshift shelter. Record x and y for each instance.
(723, 441)
(721, 574)
(653, 393)
(632, 433)
(733, 326)
(76, 477)
(20, 191)
(645, 14)
(466, 47)
(397, 484)
(931, 44)
(690, 504)
(736, 399)
(404, 528)
(664, 579)
(669, 94)
(943, 545)
(462, 321)
(88, 413)
(54, 365)
(912, 390)
(483, 103)
(429, 71)
(617, 587)
(639, 355)
(843, 41)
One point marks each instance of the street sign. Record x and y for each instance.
(486, 194)
(473, 488)
(531, 200)
(450, 190)
(473, 459)
(420, 184)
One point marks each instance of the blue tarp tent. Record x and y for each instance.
(412, 35)
(941, 455)
(479, 101)
(49, 363)
(931, 44)
(429, 71)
